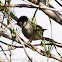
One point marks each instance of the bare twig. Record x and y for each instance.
(21, 43)
(4, 24)
(10, 37)
(51, 13)
(7, 32)
(36, 10)
(36, 49)
(43, 7)
(18, 5)
(31, 6)
(22, 46)
(51, 27)
(55, 15)
(58, 3)
(10, 54)
(42, 52)
(6, 50)
(34, 14)
(8, 23)
(58, 52)
(52, 38)
(4, 53)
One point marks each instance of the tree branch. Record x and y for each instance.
(58, 3)
(4, 53)
(30, 6)
(22, 43)
(56, 16)
(18, 5)
(36, 49)
(51, 12)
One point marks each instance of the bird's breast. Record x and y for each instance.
(27, 31)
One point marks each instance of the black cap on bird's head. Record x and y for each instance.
(23, 18)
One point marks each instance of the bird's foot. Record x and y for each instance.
(29, 42)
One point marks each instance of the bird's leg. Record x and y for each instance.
(30, 40)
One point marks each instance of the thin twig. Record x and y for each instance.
(42, 7)
(52, 38)
(18, 5)
(47, 11)
(6, 50)
(32, 6)
(36, 10)
(39, 50)
(51, 27)
(34, 13)
(58, 3)
(25, 45)
(8, 23)
(4, 24)
(4, 53)
(7, 32)
(9, 37)
(21, 43)
(58, 52)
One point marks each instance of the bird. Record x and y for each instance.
(31, 31)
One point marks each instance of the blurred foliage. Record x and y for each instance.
(7, 1)
(12, 32)
(47, 48)
(34, 23)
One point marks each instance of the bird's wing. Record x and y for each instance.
(37, 27)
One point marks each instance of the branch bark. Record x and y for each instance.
(55, 15)
(50, 11)
(34, 48)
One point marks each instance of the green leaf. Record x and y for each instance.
(33, 24)
(8, 45)
(47, 52)
(44, 46)
(8, 1)
(10, 30)
(13, 38)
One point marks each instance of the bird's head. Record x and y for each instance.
(22, 20)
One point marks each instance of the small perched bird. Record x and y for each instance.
(31, 31)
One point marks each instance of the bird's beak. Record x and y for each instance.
(19, 24)
(16, 23)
